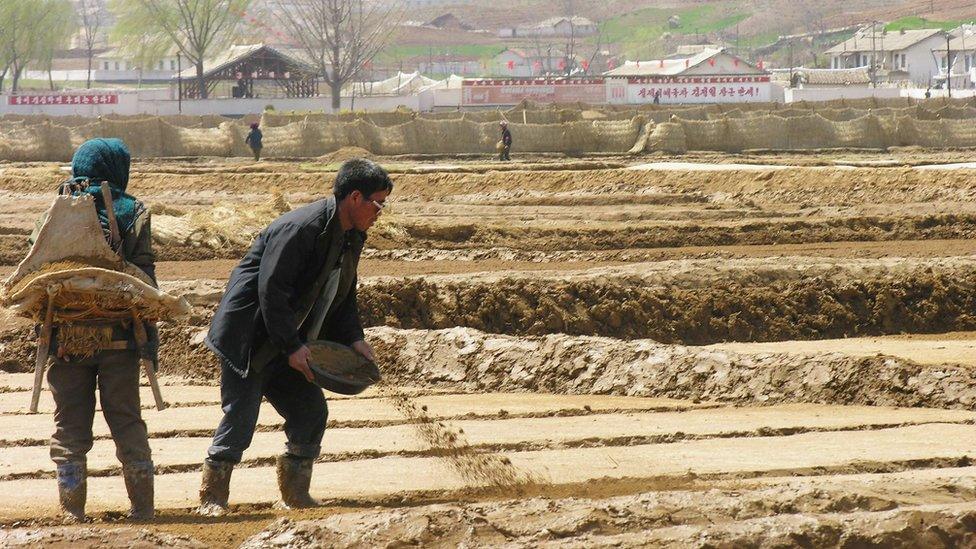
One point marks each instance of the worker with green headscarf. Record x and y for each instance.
(110, 364)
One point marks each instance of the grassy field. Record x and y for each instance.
(911, 23)
(481, 51)
(638, 31)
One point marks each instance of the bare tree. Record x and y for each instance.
(90, 15)
(570, 59)
(195, 27)
(339, 37)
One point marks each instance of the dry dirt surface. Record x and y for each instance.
(702, 351)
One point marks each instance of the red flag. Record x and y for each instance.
(735, 62)
(562, 64)
(611, 65)
(586, 65)
(511, 65)
(711, 61)
(760, 64)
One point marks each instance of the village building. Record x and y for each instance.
(904, 55)
(523, 63)
(250, 71)
(709, 75)
(960, 51)
(554, 27)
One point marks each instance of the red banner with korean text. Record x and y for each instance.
(512, 91)
(64, 99)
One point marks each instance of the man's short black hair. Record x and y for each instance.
(360, 174)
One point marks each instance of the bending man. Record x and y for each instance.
(297, 283)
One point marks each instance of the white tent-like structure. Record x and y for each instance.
(399, 84)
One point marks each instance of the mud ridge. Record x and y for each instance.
(479, 464)
(473, 360)
(376, 423)
(131, 538)
(806, 307)
(657, 235)
(786, 516)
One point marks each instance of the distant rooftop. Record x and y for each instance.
(863, 41)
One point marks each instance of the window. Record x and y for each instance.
(172, 64)
(161, 65)
(116, 65)
(105, 65)
(835, 60)
(904, 61)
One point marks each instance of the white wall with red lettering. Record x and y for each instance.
(689, 89)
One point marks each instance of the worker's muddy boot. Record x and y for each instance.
(294, 478)
(215, 488)
(72, 490)
(139, 485)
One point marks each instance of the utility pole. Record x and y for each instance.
(791, 63)
(948, 68)
(874, 79)
(179, 83)
(737, 40)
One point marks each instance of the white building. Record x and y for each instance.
(908, 52)
(961, 50)
(710, 76)
(108, 66)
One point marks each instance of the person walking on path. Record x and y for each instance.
(114, 368)
(506, 142)
(253, 140)
(296, 284)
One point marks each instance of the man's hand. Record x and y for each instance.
(299, 361)
(364, 349)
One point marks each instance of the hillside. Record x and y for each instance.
(640, 28)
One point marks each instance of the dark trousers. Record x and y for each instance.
(299, 402)
(504, 154)
(116, 376)
(257, 152)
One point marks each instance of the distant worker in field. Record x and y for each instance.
(86, 357)
(506, 142)
(296, 284)
(657, 97)
(253, 140)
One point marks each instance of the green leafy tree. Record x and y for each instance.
(54, 34)
(197, 28)
(32, 32)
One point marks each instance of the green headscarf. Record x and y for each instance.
(105, 161)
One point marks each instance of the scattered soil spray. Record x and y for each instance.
(483, 469)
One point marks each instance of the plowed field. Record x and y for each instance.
(726, 351)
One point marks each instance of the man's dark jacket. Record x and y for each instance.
(270, 294)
